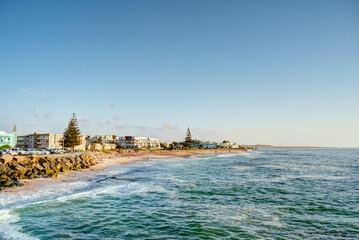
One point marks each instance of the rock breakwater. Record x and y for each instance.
(13, 169)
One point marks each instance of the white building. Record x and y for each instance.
(84, 143)
(227, 144)
(40, 140)
(104, 138)
(134, 142)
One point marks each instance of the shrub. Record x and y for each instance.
(5, 147)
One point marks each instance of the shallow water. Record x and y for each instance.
(264, 194)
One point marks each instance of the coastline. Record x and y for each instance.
(106, 160)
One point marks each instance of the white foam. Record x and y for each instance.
(306, 167)
(225, 155)
(113, 190)
(243, 168)
(48, 191)
(8, 229)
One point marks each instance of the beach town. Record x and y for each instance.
(47, 141)
(49, 155)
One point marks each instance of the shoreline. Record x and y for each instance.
(105, 160)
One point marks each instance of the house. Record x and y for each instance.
(8, 138)
(84, 144)
(209, 145)
(109, 146)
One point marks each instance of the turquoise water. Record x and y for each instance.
(264, 194)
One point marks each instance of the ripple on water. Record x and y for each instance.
(269, 194)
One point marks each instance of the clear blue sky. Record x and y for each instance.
(255, 72)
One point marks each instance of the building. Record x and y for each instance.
(8, 138)
(165, 144)
(134, 142)
(40, 140)
(209, 145)
(102, 146)
(104, 138)
(228, 144)
(109, 146)
(96, 146)
(197, 143)
(84, 145)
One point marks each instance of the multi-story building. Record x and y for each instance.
(209, 145)
(104, 138)
(228, 144)
(40, 140)
(8, 138)
(84, 143)
(134, 142)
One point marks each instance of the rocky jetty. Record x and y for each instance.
(13, 169)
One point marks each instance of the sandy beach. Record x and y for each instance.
(112, 159)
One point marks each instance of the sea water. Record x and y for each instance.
(262, 194)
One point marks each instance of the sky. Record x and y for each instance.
(253, 72)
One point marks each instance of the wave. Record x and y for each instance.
(113, 190)
(307, 167)
(8, 229)
(300, 177)
(243, 168)
(43, 193)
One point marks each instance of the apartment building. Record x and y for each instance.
(40, 140)
(133, 142)
(104, 138)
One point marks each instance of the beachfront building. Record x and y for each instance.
(8, 138)
(196, 143)
(84, 144)
(103, 138)
(40, 140)
(134, 142)
(102, 146)
(209, 145)
(228, 144)
(165, 145)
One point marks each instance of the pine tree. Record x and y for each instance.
(188, 142)
(72, 133)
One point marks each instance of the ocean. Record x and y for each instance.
(262, 194)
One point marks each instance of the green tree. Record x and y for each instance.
(5, 147)
(163, 146)
(188, 142)
(72, 133)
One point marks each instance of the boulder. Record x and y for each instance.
(46, 166)
(21, 169)
(38, 167)
(34, 158)
(6, 159)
